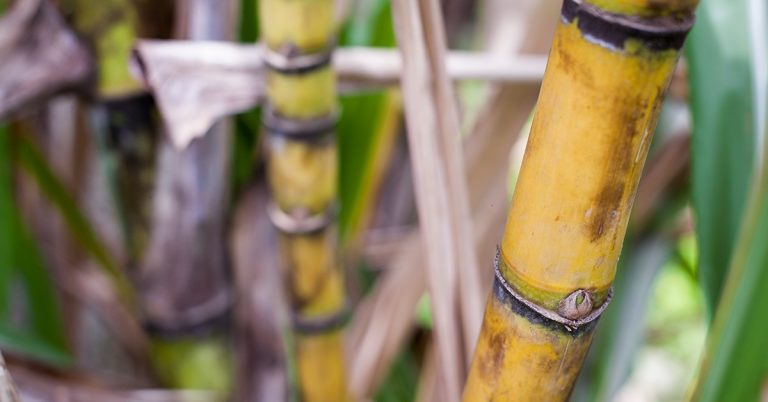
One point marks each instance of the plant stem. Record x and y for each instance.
(303, 169)
(186, 290)
(596, 113)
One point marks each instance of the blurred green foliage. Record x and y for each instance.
(247, 125)
(736, 364)
(196, 363)
(81, 229)
(723, 134)
(360, 130)
(30, 321)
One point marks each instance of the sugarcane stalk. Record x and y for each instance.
(302, 165)
(122, 115)
(609, 66)
(186, 290)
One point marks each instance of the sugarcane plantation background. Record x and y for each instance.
(383, 200)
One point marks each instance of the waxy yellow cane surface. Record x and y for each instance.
(595, 117)
(303, 170)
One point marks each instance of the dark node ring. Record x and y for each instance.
(507, 295)
(297, 64)
(613, 30)
(210, 318)
(301, 225)
(321, 324)
(299, 129)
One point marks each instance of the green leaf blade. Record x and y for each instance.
(723, 134)
(736, 365)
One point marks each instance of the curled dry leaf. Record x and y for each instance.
(196, 83)
(183, 285)
(39, 55)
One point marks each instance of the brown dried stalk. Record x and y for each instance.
(441, 196)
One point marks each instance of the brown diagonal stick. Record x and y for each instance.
(441, 198)
(507, 108)
(377, 341)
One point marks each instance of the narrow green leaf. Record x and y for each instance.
(45, 319)
(7, 229)
(736, 364)
(402, 381)
(30, 158)
(362, 129)
(244, 158)
(723, 134)
(247, 125)
(358, 137)
(370, 25)
(43, 335)
(735, 367)
(249, 21)
(32, 346)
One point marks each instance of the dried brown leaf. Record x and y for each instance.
(186, 285)
(196, 83)
(39, 55)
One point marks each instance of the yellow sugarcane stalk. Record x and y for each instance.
(609, 66)
(302, 166)
(111, 25)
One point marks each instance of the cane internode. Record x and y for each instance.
(302, 167)
(610, 64)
